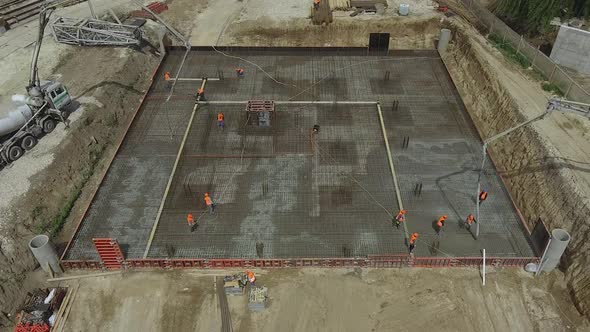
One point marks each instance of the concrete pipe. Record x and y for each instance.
(559, 241)
(44, 253)
(443, 40)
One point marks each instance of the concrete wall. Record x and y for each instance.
(572, 49)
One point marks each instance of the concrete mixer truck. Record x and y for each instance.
(45, 105)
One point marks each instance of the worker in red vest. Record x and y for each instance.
(240, 72)
(167, 79)
(483, 195)
(209, 203)
(440, 224)
(413, 239)
(399, 218)
(251, 278)
(191, 222)
(201, 94)
(220, 120)
(470, 220)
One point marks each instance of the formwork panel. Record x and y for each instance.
(282, 193)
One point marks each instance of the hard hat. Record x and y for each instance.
(444, 216)
(403, 211)
(206, 194)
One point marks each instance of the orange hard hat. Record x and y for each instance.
(206, 194)
(445, 216)
(403, 211)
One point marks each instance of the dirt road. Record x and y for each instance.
(330, 300)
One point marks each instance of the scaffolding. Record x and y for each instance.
(92, 32)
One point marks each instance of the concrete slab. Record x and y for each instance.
(330, 197)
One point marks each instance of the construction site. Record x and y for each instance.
(263, 166)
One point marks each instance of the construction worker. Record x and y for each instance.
(191, 222)
(470, 220)
(483, 195)
(220, 121)
(209, 203)
(201, 94)
(167, 79)
(440, 224)
(251, 277)
(316, 4)
(240, 72)
(413, 239)
(399, 218)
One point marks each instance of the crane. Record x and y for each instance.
(555, 104)
(45, 104)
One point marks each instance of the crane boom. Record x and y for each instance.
(44, 16)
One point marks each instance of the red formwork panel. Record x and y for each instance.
(80, 265)
(370, 262)
(109, 252)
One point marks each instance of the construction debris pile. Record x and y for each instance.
(40, 310)
(235, 284)
(257, 298)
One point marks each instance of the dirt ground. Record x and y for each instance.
(329, 300)
(66, 167)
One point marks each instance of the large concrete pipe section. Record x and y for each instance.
(44, 253)
(443, 40)
(555, 249)
(15, 120)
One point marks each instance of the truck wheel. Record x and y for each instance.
(28, 142)
(15, 152)
(48, 125)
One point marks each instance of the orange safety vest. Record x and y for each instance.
(240, 70)
(190, 219)
(220, 117)
(167, 76)
(470, 219)
(413, 238)
(200, 91)
(208, 200)
(483, 195)
(317, 2)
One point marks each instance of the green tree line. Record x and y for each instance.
(533, 16)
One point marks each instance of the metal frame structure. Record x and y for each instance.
(93, 32)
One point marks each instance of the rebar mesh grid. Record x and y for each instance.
(298, 197)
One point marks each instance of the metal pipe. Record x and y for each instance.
(391, 167)
(484, 267)
(294, 102)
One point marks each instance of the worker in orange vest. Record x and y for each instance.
(251, 277)
(190, 221)
(413, 239)
(483, 195)
(220, 121)
(240, 72)
(441, 223)
(209, 203)
(167, 79)
(201, 94)
(316, 4)
(470, 220)
(399, 218)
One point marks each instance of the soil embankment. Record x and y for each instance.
(58, 194)
(541, 182)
